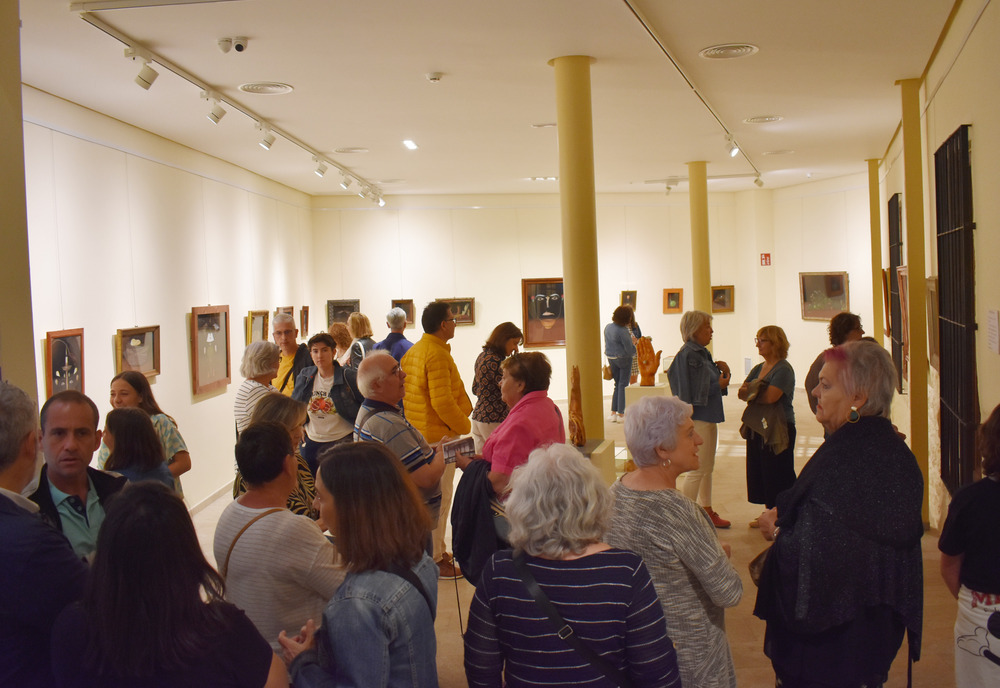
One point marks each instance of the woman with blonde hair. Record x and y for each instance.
(559, 509)
(362, 342)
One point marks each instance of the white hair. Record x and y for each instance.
(692, 321)
(259, 358)
(370, 373)
(396, 319)
(18, 417)
(651, 424)
(558, 503)
(282, 318)
(868, 368)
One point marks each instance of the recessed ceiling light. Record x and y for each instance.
(543, 179)
(351, 149)
(266, 88)
(778, 152)
(543, 125)
(763, 119)
(410, 144)
(728, 51)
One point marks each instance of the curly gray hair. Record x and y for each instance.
(652, 424)
(558, 503)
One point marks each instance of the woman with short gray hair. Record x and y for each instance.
(558, 510)
(702, 382)
(690, 569)
(259, 366)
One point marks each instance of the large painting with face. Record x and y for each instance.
(543, 312)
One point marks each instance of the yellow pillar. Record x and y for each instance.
(579, 234)
(875, 220)
(700, 264)
(913, 198)
(17, 340)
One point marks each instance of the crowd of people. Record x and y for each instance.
(329, 556)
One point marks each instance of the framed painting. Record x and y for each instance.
(406, 305)
(885, 302)
(673, 301)
(288, 310)
(138, 349)
(338, 310)
(464, 310)
(823, 294)
(543, 312)
(723, 299)
(256, 326)
(933, 326)
(628, 299)
(63, 361)
(903, 275)
(210, 362)
(304, 322)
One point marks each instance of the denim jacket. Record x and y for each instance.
(380, 631)
(618, 342)
(694, 378)
(346, 397)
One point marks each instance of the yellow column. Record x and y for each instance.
(584, 336)
(874, 218)
(17, 340)
(700, 264)
(913, 198)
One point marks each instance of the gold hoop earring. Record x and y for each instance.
(853, 416)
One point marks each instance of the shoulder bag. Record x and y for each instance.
(225, 564)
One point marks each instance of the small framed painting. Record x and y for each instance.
(304, 322)
(256, 325)
(823, 294)
(138, 349)
(543, 312)
(63, 361)
(406, 305)
(338, 310)
(464, 310)
(210, 362)
(628, 298)
(723, 299)
(288, 310)
(673, 301)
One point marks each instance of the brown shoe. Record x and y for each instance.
(717, 520)
(448, 568)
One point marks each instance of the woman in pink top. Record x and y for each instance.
(534, 420)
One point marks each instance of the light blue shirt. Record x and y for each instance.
(80, 529)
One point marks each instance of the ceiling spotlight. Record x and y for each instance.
(147, 75)
(217, 113)
(410, 144)
(381, 202)
(668, 190)
(345, 183)
(268, 139)
(321, 167)
(759, 182)
(734, 148)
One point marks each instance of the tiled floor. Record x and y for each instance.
(746, 632)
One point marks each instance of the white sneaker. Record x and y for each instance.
(613, 417)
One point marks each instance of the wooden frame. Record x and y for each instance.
(464, 310)
(903, 274)
(628, 298)
(933, 327)
(63, 361)
(724, 299)
(543, 312)
(823, 294)
(673, 301)
(290, 310)
(406, 305)
(210, 361)
(304, 322)
(138, 349)
(337, 310)
(256, 326)
(887, 325)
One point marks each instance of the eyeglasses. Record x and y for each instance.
(450, 320)
(396, 370)
(758, 340)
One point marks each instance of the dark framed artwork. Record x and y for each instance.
(628, 298)
(463, 309)
(406, 305)
(138, 349)
(724, 299)
(256, 326)
(823, 294)
(304, 322)
(210, 362)
(673, 301)
(338, 310)
(63, 361)
(543, 312)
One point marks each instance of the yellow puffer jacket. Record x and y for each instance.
(435, 400)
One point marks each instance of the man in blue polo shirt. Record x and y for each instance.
(395, 343)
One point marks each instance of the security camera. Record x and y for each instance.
(240, 43)
(225, 44)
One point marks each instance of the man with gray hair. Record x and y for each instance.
(380, 380)
(294, 357)
(40, 573)
(395, 343)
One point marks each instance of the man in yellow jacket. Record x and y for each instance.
(437, 405)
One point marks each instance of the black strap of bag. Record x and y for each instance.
(410, 577)
(563, 629)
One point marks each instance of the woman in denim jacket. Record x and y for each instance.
(698, 380)
(378, 630)
(620, 350)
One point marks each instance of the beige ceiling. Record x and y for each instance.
(359, 71)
